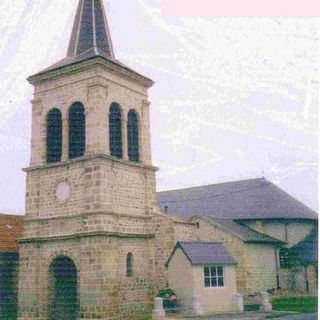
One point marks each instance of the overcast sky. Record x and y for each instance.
(234, 98)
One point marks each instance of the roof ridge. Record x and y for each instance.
(214, 184)
(240, 200)
(221, 194)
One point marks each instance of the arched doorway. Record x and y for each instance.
(63, 291)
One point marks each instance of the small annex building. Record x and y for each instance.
(205, 270)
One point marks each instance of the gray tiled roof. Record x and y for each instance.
(246, 199)
(241, 231)
(307, 249)
(204, 253)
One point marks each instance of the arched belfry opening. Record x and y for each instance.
(115, 130)
(77, 131)
(63, 289)
(54, 136)
(133, 136)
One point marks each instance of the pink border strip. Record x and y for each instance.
(241, 8)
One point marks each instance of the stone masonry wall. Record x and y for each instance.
(296, 278)
(163, 245)
(262, 273)
(104, 290)
(168, 231)
(98, 184)
(312, 274)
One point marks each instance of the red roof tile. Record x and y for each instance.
(11, 228)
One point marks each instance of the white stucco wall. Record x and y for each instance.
(181, 278)
(216, 299)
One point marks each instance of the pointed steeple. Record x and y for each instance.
(90, 40)
(90, 33)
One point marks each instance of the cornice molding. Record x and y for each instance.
(109, 65)
(78, 236)
(90, 158)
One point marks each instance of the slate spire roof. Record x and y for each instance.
(90, 39)
(90, 30)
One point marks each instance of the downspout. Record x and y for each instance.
(306, 278)
(286, 230)
(277, 267)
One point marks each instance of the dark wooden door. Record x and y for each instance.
(64, 304)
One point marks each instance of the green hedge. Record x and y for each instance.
(298, 304)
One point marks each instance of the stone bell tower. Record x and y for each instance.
(87, 248)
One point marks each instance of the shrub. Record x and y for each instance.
(169, 297)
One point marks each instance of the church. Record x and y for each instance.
(95, 225)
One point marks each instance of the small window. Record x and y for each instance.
(213, 277)
(129, 264)
(286, 258)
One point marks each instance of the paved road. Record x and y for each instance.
(306, 316)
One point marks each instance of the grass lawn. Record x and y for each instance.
(297, 304)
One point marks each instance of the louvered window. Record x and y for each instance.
(133, 136)
(77, 131)
(115, 131)
(54, 136)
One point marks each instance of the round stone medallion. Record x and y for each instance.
(63, 191)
